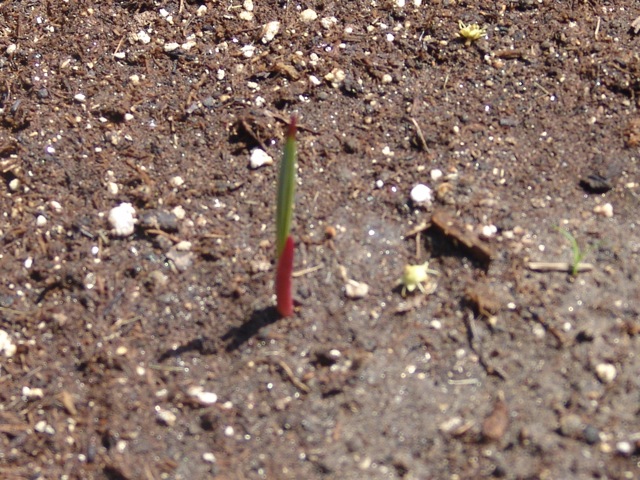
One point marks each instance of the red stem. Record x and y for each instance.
(284, 279)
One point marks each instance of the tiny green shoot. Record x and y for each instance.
(286, 189)
(284, 214)
(577, 253)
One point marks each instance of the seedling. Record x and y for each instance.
(284, 213)
(470, 33)
(414, 276)
(577, 253)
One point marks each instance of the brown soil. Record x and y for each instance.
(500, 372)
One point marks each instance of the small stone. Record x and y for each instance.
(205, 398)
(122, 219)
(32, 393)
(436, 174)
(269, 31)
(170, 47)
(41, 221)
(421, 194)
(209, 457)
(308, 15)
(11, 49)
(259, 158)
(80, 97)
(159, 220)
(143, 37)
(202, 10)
(450, 425)
(606, 372)
(591, 435)
(315, 81)
(165, 417)
(572, 426)
(488, 231)
(55, 206)
(328, 22)
(605, 210)
(176, 181)
(14, 185)
(356, 290)
(248, 51)
(624, 448)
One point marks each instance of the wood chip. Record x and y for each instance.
(476, 247)
(495, 425)
(558, 267)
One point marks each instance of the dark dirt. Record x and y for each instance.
(500, 372)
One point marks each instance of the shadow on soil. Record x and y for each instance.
(237, 336)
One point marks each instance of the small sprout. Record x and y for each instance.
(470, 33)
(414, 276)
(577, 253)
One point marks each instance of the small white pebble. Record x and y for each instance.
(11, 49)
(7, 347)
(624, 448)
(390, 37)
(202, 10)
(228, 431)
(246, 16)
(269, 31)
(186, 46)
(386, 78)
(128, 117)
(605, 210)
(379, 184)
(356, 290)
(171, 46)
(179, 212)
(121, 350)
(606, 372)
(143, 37)
(308, 15)
(435, 324)
(328, 22)
(122, 219)
(220, 74)
(209, 457)
(120, 55)
(248, 5)
(400, 3)
(41, 221)
(488, 231)
(55, 206)
(248, 51)
(259, 158)
(31, 393)
(166, 417)
(205, 398)
(315, 81)
(176, 181)
(80, 97)
(183, 246)
(14, 185)
(134, 79)
(421, 194)
(436, 174)
(28, 263)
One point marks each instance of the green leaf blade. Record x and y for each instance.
(286, 188)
